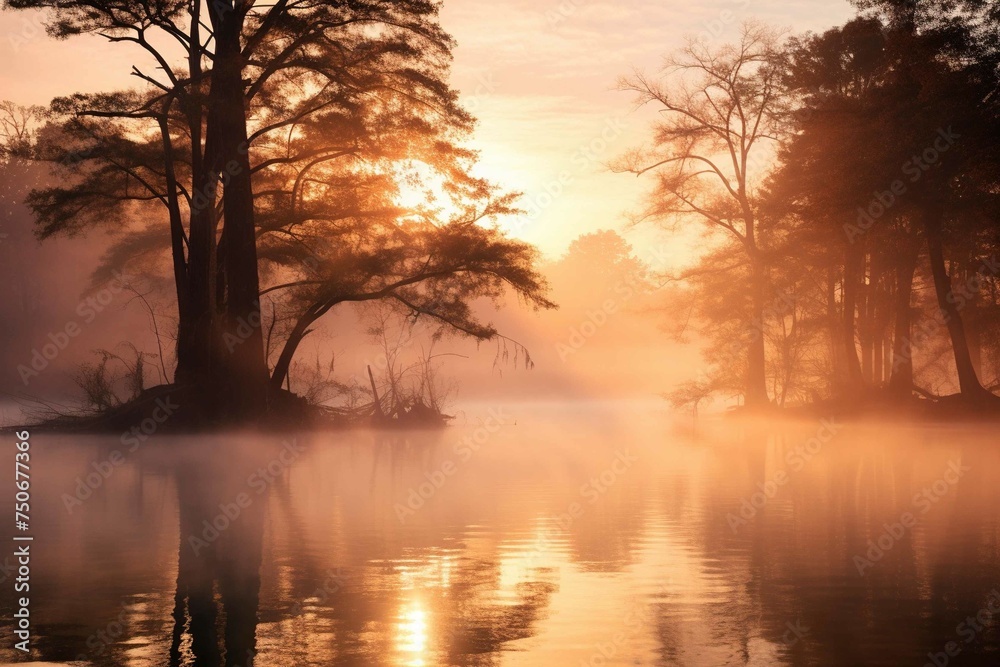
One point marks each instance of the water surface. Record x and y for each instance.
(543, 536)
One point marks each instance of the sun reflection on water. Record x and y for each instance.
(411, 634)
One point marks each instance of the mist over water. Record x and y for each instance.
(454, 333)
(583, 536)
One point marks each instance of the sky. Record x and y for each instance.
(540, 75)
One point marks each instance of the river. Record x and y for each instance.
(521, 535)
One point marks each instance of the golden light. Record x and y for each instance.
(422, 190)
(412, 634)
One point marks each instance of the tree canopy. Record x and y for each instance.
(274, 143)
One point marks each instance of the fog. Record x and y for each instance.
(722, 546)
(478, 334)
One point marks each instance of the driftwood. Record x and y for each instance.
(377, 410)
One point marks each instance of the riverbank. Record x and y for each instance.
(177, 409)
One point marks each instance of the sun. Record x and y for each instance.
(422, 189)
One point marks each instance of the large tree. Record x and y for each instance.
(896, 150)
(258, 128)
(830, 168)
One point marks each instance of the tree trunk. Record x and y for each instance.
(967, 379)
(756, 381)
(866, 319)
(838, 370)
(877, 348)
(973, 317)
(179, 263)
(377, 409)
(246, 378)
(299, 331)
(901, 378)
(881, 303)
(196, 344)
(886, 358)
(853, 363)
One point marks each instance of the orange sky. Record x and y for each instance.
(540, 76)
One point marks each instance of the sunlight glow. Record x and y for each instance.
(423, 191)
(412, 633)
(420, 187)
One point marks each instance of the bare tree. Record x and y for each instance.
(719, 111)
(18, 126)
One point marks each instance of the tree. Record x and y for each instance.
(250, 107)
(691, 393)
(893, 150)
(885, 182)
(829, 171)
(593, 267)
(721, 109)
(432, 271)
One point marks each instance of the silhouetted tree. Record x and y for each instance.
(894, 151)
(720, 109)
(239, 137)
(430, 270)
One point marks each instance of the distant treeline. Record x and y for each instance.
(851, 181)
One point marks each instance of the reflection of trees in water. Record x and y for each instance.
(360, 621)
(92, 599)
(802, 569)
(350, 596)
(714, 626)
(226, 571)
(958, 591)
(339, 581)
(476, 622)
(793, 564)
(606, 536)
